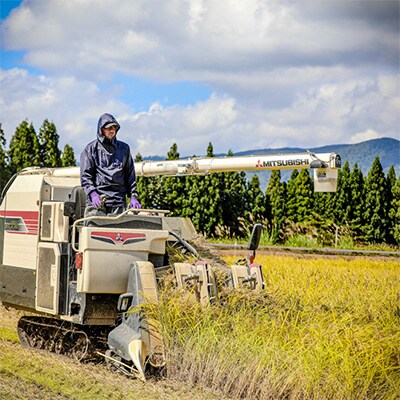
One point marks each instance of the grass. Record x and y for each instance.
(307, 241)
(323, 329)
(302, 241)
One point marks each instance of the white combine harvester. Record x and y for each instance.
(80, 275)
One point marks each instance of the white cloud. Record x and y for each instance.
(191, 127)
(282, 73)
(74, 105)
(327, 114)
(362, 136)
(186, 39)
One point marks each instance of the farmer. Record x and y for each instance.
(107, 169)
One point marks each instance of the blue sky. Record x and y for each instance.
(242, 75)
(9, 58)
(6, 6)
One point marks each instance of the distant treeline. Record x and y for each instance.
(364, 209)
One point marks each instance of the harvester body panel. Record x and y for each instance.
(108, 254)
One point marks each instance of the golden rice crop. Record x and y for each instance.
(322, 329)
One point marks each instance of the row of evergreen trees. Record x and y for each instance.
(28, 148)
(364, 209)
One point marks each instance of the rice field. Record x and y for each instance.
(324, 328)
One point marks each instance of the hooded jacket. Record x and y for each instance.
(107, 167)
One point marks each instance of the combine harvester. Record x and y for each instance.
(80, 276)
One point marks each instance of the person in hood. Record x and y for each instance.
(107, 168)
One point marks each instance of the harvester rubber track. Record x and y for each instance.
(62, 337)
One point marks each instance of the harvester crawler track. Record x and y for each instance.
(62, 337)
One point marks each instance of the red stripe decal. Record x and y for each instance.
(28, 215)
(21, 222)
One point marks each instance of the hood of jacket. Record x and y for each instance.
(103, 120)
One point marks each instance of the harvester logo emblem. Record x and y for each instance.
(122, 238)
(259, 164)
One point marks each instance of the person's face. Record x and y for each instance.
(110, 132)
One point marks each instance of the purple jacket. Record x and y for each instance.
(107, 167)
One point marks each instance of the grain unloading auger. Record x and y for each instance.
(81, 276)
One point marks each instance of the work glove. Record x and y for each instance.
(134, 203)
(95, 199)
